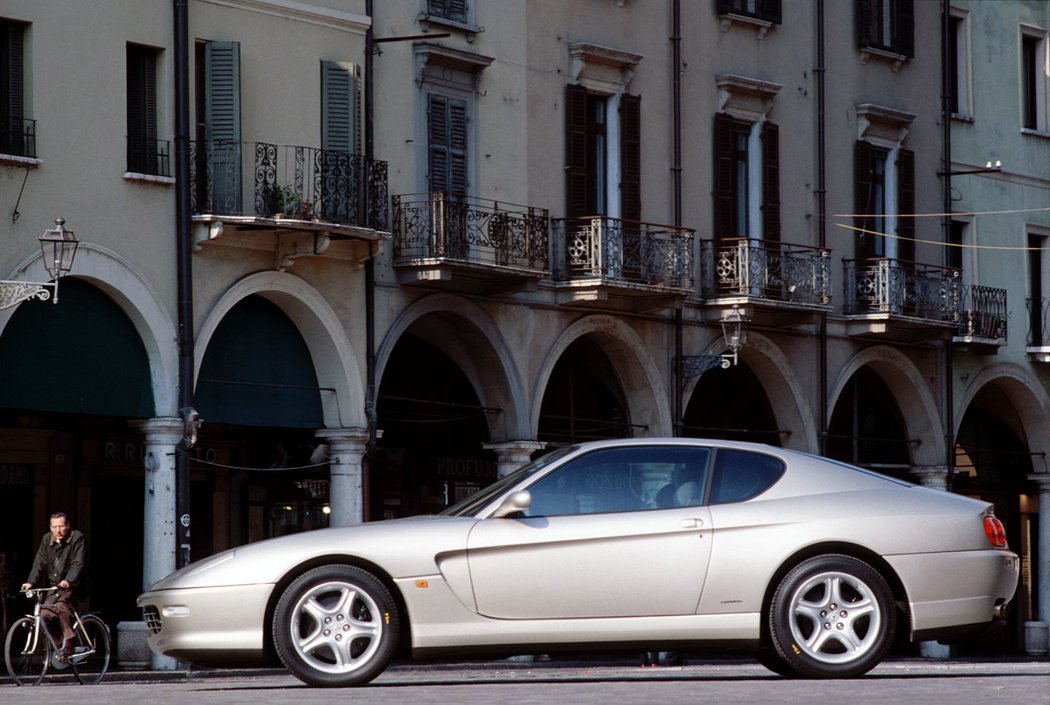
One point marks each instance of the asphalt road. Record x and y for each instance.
(914, 682)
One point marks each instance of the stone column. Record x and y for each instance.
(158, 540)
(935, 477)
(511, 455)
(346, 448)
(1041, 570)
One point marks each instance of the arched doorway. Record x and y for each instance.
(583, 400)
(730, 404)
(867, 427)
(431, 428)
(992, 463)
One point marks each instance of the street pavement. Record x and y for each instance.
(728, 681)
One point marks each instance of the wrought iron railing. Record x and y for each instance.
(766, 269)
(455, 227)
(902, 288)
(1038, 330)
(624, 250)
(983, 312)
(149, 157)
(18, 137)
(269, 180)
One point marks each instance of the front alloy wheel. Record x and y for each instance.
(832, 617)
(336, 625)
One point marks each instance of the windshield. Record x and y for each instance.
(474, 503)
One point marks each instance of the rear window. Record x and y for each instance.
(740, 475)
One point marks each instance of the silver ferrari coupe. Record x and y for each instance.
(647, 544)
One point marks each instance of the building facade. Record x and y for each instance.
(429, 240)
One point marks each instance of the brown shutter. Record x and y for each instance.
(724, 194)
(437, 137)
(865, 245)
(631, 154)
(904, 30)
(772, 11)
(906, 205)
(865, 16)
(576, 151)
(770, 181)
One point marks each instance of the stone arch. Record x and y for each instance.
(467, 334)
(790, 403)
(1027, 394)
(335, 360)
(644, 386)
(918, 408)
(132, 291)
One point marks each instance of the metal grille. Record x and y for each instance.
(151, 617)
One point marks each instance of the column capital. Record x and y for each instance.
(343, 435)
(1042, 479)
(933, 476)
(527, 447)
(161, 429)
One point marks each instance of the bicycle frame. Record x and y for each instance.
(40, 628)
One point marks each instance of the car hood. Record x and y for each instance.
(402, 547)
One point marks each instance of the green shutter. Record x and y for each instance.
(339, 94)
(11, 105)
(222, 117)
(142, 109)
(447, 144)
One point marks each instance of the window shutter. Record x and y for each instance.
(576, 151)
(770, 181)
(865, 16)
(906, 201)
(142, 109)
(725, 195)
(339, 130)
(457, 121)
(631, 154)
(222, 117)
(865, 245)
(11, 99)
(904, 31)
(772, 11)
(725, 6)
(447, 134)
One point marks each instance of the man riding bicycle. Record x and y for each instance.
(61, 560)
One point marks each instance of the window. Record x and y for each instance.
(768, 10)
(959, 64)
(885, 188)
(455, 10)
(747, 183)
(1037, 290)
(17, 134)
(887, 25)
(1033, 80)
(623, 480)
(739, 475)
(146, 155)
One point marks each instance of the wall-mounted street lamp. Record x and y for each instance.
(734, 333)
(58, 246)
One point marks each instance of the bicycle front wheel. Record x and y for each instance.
(90, 658)
(27, 651)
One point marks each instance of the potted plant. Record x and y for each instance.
(284, 202)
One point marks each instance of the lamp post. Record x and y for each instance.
(734, 333)
(58, 247)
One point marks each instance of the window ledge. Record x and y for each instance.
(1035, 133)
(961, 117)
(426, 21)
(893, 58)
(15, 160)
(729, 18)
(149, 178)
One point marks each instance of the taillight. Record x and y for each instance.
(995, 531)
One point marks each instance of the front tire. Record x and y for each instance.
(832, 617)
(27, 652)
(336, 625)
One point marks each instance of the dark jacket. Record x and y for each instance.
(58, 561)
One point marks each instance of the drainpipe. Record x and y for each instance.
(946, 131)
(185, 283)
(676, 181)
(822, 214)
(370, 274)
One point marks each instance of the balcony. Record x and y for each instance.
(779, 283)
(1038, 347)
(18, 142)
(908, 301)
(469, 244)
(604, 262)
(307, 197)
(982, 319)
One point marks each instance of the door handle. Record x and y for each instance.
(693, 523)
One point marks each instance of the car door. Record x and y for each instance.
(618, 532)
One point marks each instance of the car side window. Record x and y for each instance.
(740, 475)
(623, 480)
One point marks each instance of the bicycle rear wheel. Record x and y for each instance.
(90, 658)
(27, 652)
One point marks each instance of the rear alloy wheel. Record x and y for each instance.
(832, 617)
(336, 625)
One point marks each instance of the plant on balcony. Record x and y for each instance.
(285, 202)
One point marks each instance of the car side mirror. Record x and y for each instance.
(514, 503)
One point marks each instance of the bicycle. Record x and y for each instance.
(30, 648)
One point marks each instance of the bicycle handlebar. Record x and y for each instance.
(36, 591)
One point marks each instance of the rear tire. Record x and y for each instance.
(336, 625)
(832, 616)
(90, 659)
(27, 652)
